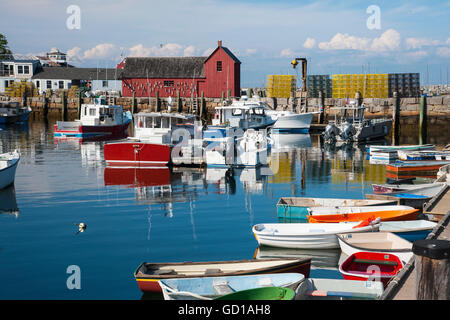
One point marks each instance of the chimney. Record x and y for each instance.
(219, 43)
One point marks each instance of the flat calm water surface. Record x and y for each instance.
(158, 215)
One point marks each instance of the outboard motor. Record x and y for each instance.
(348, 132)
(330, 132)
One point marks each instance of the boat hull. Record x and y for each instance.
(318, 236)
(295, 208)
(295, 123)
(15, 118)
(7, 174)
(135, 153)
(149, 282)
(213, 287)
(390, 215)
(85, 131)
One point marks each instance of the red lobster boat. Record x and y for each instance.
(97, 121)
(152, 143)
(371, 266)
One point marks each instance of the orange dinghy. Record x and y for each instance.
(388, 215)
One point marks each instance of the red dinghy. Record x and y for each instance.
(371, 266)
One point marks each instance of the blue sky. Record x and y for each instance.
(413, 36)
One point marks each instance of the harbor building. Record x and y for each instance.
(215, 75)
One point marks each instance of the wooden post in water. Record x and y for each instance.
(158, 102)
(179, 102)
(396, 120)
(45, 105)
(79, 105)
(64, 107)
(432, 269)
(303, 169)
(133, 103)
(423, 120)
(321, 107)
(202, 106)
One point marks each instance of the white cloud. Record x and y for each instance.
(189, 51)
(417, 54)
(74, 54)
(286, 52)
(208, 51)
(309, 43)
(170, 49)
(250, 52)
(101, 51)
(342, 41)
(417, 43)
(448, 41)
(389, 40)
(443, 52)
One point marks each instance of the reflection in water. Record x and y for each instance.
(167, 214)
(8, 203)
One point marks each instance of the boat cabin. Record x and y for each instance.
(157, 127)
(94, 114)
(242, 114)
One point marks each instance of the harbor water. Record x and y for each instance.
(154, 215)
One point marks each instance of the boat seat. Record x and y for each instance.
(213, 271)
(222, 287)
(164, 272)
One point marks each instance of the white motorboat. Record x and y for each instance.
(255, 114)
(353, 127)
(8, 165)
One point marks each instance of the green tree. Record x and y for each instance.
(5, 52)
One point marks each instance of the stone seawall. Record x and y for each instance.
(436, 106)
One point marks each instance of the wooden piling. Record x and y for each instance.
(396, 120)
(433, 269)
(133, 103)
(79, 105)
(179, 102)
(45, 106)
(64, 107)
(321, 107)
(423, 120)
(158, 103)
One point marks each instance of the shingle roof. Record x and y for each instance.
(163, 67)
(76, 73)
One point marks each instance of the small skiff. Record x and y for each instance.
(375, 148)
(425, 189)
(409, 230)
(348, 214)
(206, 288)
(410, 167)
(382, 242)
(423, 155)
(148, 274)
(297, 207)
(8, 165)
(338, 289)
(306, 235)
(324, 258)
(264, 293)
(371, 266)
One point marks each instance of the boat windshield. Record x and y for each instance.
(236, 112)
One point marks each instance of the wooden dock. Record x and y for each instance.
(403, 286)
